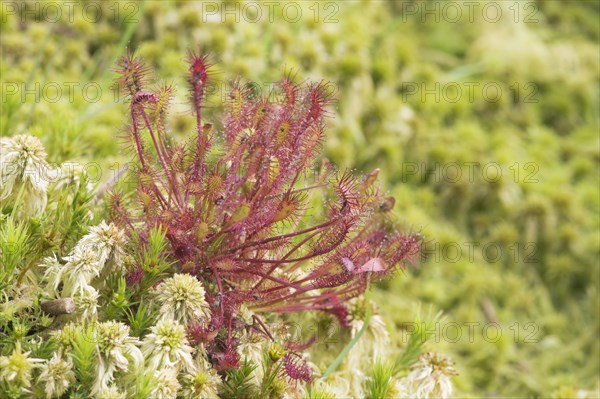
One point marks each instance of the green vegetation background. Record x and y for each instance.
(512, 100)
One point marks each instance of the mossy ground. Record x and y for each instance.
(485, 130)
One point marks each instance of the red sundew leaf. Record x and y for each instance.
(144, 97)
(200, 333)
(330, 239)
(289, 88)
(199, 68)
(332, 281)
(296, 368)
(135, 276)
(133, 74)
(228, 360)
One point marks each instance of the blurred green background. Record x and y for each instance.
(482, 116)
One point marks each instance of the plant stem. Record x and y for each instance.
(351, 344)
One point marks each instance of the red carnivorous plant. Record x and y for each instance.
(237, 204)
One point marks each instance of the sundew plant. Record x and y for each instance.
(207, 275)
